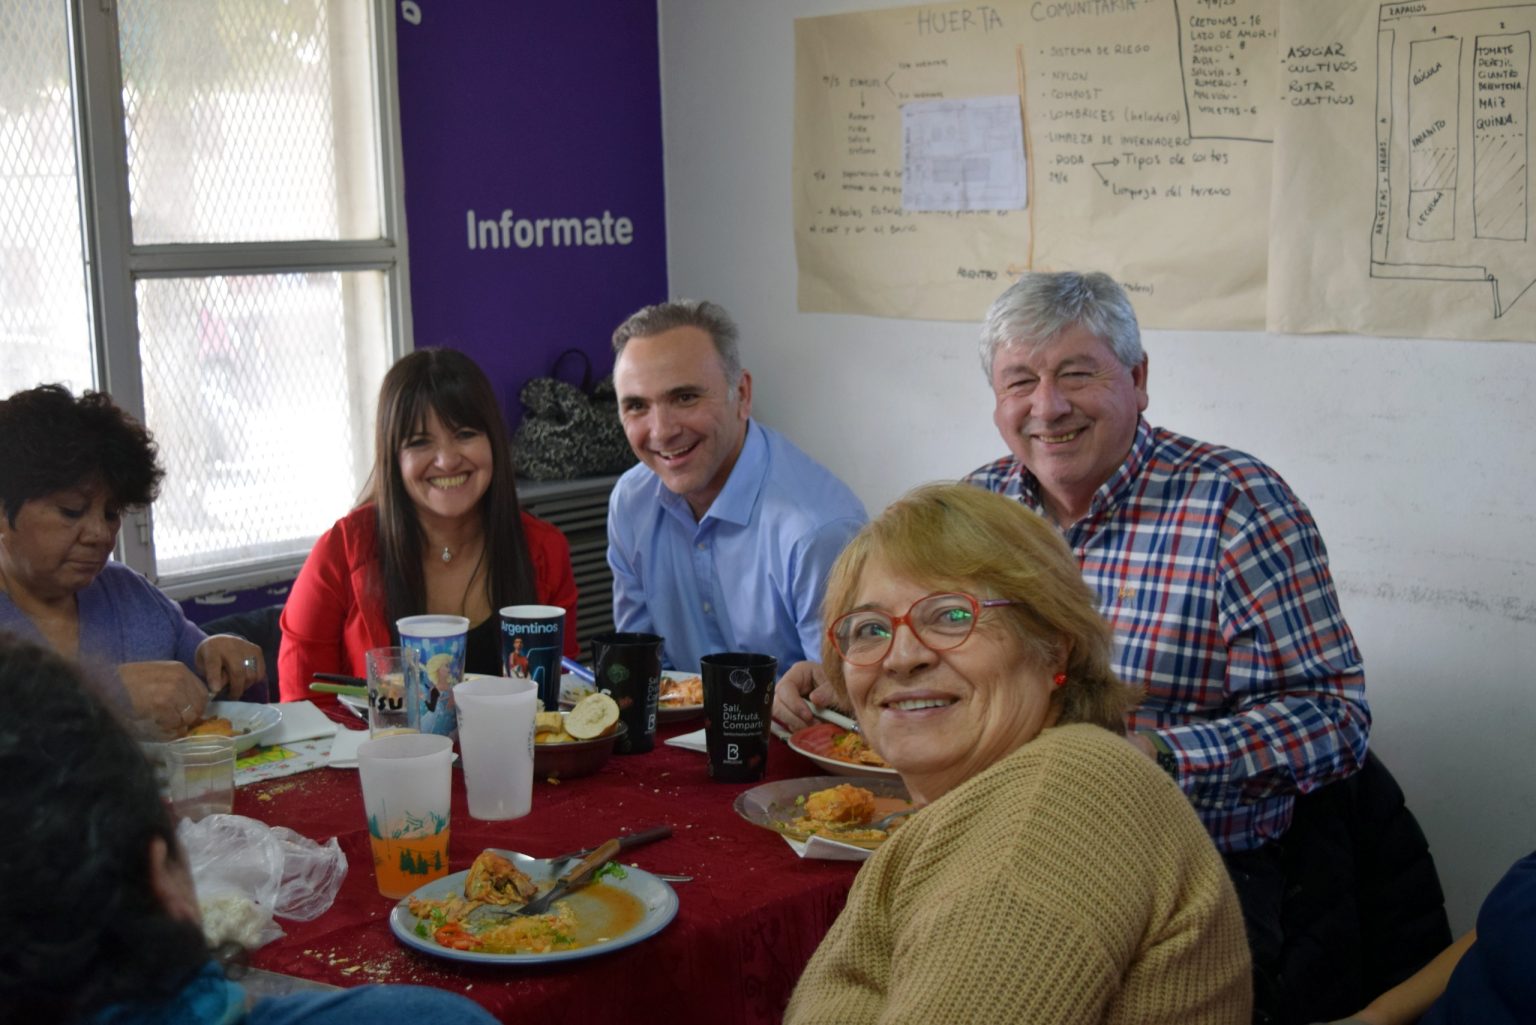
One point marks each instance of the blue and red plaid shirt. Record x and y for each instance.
(1216, 582)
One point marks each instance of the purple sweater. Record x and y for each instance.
(123, 618)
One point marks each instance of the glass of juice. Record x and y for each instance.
(405, 780)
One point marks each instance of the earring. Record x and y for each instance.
(1059, 679)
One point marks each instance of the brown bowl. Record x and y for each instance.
(574, 758)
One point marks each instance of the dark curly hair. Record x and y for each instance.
(83, 927)
(55, 441)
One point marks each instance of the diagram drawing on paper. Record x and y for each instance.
(1453, 146)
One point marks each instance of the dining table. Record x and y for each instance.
(747, 921)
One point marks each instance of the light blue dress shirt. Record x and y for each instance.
(749, 576)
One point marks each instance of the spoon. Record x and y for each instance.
(885, 821)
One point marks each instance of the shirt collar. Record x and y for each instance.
(735, 502)
(1111, 491)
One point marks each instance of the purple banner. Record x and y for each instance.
(533, 178)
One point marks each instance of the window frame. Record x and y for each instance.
(113, 264)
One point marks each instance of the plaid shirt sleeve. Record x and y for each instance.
(1295, 715)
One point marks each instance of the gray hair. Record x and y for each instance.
(709, 317)
(1038, 307)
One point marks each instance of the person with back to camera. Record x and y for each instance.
(1052, 874)
(1211, 571)
(97, 904)
(721, 539)
(440, 531)
(71, 468)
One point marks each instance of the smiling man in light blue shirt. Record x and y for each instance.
(722, 538)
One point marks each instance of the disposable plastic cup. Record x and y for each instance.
(496, 740)
(439, 645)
(738, 709)
(532, 641)
(405, 779)
(196, 774)
(394, 704)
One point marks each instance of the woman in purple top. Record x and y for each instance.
(71, 468)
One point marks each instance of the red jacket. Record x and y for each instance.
(335, 612)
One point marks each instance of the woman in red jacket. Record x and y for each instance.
(439, 531)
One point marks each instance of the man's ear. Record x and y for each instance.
(744, 395)
(172, 883)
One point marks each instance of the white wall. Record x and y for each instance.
(1415, 456)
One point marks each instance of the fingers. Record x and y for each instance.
(231, 664)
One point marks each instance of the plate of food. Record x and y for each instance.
(248, 723)
(444, 918)
(837, 809)
(839, 751)
(682, 696)
(572, 689)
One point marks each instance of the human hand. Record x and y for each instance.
(802, 685)
(230, 662)
(165, 693)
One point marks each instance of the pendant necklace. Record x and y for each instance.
(447, 555)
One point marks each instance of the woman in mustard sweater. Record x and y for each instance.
(1054, 873)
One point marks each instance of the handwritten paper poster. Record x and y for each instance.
(1147, 153)
(861, 249)
(1402, 182)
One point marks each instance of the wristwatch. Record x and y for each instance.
(1164, 754)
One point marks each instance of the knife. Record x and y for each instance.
(576, 878)
(626, 841)
(835, 717)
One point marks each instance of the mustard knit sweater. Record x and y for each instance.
(1070, 882)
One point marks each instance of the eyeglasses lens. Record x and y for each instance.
(941, 622)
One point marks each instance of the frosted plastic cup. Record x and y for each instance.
(738, 709)
(394, 702)
(439, 645)
(496, 740)
(196, 774)
(406, 796)
(532, 641)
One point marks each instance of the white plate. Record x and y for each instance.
(813, 742)
(252, 723)
(671, 711)
(658, 899)
(774, 805)
(356, 705)
(572, 689)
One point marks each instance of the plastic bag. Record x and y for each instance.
(247, 872)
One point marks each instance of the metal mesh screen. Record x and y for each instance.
(45, 332)
(255, 387)
(249, 120)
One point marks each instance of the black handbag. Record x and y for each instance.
(570, 430)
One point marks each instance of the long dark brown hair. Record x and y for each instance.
(448, 383)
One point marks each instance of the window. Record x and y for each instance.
(200, 213)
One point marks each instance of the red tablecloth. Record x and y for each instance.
(746, 925)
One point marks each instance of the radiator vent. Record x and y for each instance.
(580, 509)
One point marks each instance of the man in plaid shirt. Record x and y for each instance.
(1211, 571)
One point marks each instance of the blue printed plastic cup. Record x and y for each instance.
(439, 645)
(532, 640)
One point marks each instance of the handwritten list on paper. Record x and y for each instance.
(1106, 95)
(1301, 165)
(869, 236)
